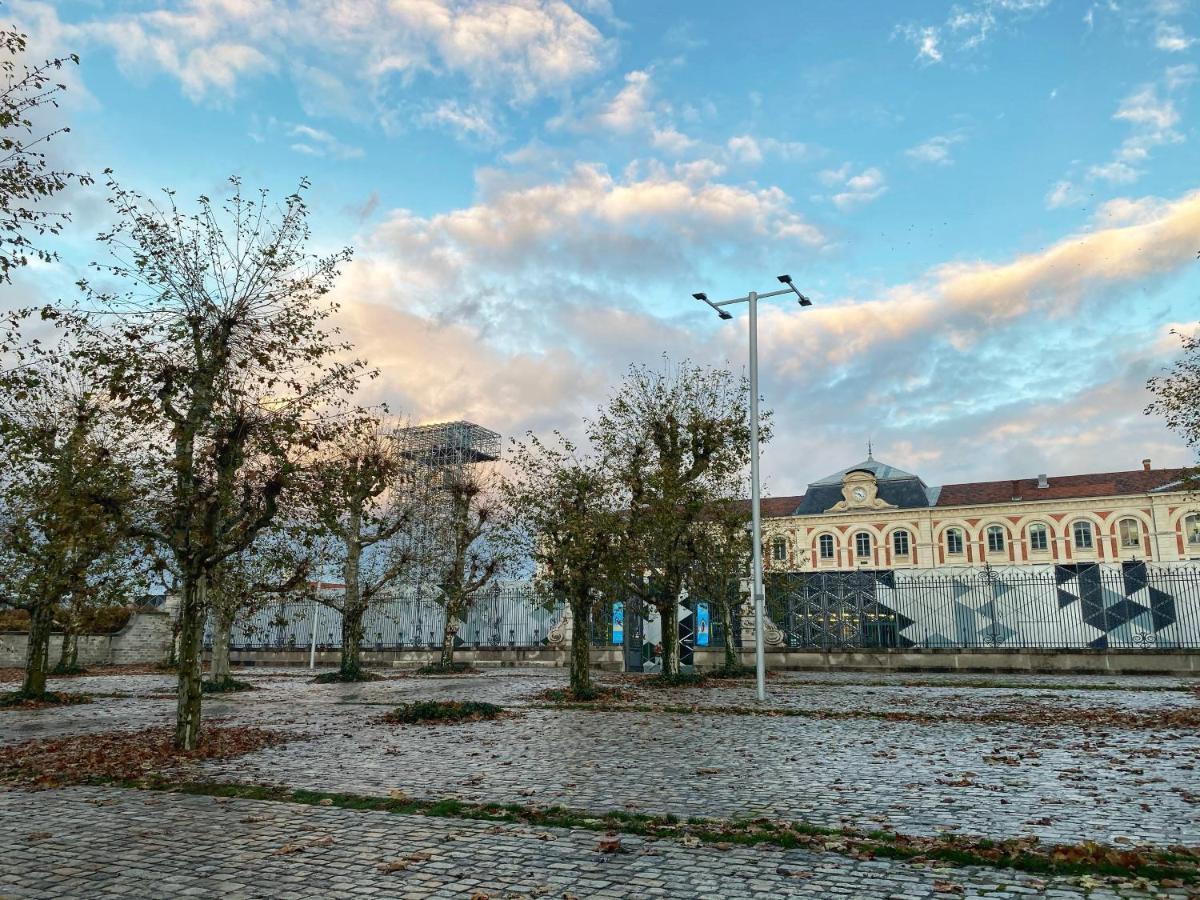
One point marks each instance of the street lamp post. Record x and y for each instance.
(760, 660)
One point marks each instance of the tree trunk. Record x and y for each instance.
(669, 613)
(449, 632)
(68, 659)
(352, 605)
(192, 609)
(220, 669)
(41, 620)
(732, 660)
(581, 649)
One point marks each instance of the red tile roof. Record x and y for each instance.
(1062, 487)
(775, 507)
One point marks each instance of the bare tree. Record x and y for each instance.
(274, 568)
(464, 539)
(1177, 396)
(219, 349)
(363, 491)
(27, 179)
(719, 547)
(675, 442)
(566, 517)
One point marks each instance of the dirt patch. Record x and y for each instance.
(124, 755)
(16, 700)
(433, 712)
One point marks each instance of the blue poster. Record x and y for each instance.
(618, 623)
(701, 624)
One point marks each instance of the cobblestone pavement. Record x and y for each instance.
(1061, 783)
(100, 842)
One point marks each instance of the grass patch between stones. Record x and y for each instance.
(340, 677)
(458, 668)
(595, 694)
(1173, 865)
(443, 712)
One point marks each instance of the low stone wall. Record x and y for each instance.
(145, 639)
(610, 660)
(1081, 662)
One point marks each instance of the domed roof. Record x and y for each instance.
(881, 471)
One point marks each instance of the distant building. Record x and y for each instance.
(875, 516)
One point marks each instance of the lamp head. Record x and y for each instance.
(723, 314)
(804, 301)
(785, 279)
(701, 296)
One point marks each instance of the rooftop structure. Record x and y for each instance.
(451, 444)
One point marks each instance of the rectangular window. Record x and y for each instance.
(862, 544)
(995, 539)
(826, 543)
(900, 543)
(954, 541)
(1038, 539)
(1131, 534)
(1083, 535)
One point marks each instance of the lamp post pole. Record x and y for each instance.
(759, 593)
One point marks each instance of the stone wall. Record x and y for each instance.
(1081, 662)
(145, 639)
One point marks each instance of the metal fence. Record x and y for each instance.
(1129, 606)
(512, 615)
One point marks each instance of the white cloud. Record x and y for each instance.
(1063, 193)
(860, 189)
(936, 150)
(967, 27)
(512, 51)
(745, 149)
(1172, 38)
(671, 141)
(318, 142)
(933, 367)
(1152, 118)
(466, 121)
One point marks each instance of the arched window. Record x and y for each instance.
(900, 541)
(954, 540)
(1131, 533)
(779, 549)
(1191, 527)
(1082, 530)
(825, 543)
(995, 539)
(862, 545)
(1039, 538)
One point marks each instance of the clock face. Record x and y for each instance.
(860, 494)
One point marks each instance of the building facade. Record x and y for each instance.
(876, 516)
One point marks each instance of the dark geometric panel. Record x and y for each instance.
(886, 577)
(1162, 609)
(1120, 613)
(1100, 643)
(1135, 576)
(1064, 573)
(1065, 598)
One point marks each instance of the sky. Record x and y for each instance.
(994, 204)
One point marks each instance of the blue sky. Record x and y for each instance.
(992, 202)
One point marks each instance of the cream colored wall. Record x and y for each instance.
(1160, 517)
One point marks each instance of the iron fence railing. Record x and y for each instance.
(512, 615)
(1132, 605)
(1129, 606)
